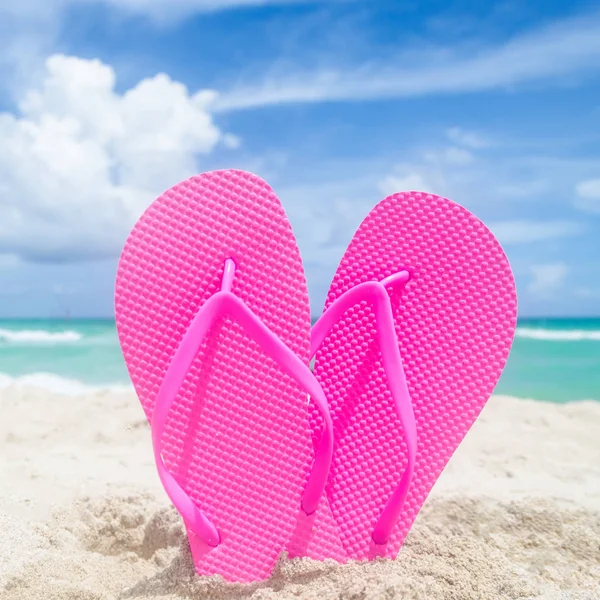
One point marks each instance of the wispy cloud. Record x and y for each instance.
(149, 7)
(30, 29)
(547, 278)
(469, 139)
(524, 231)
(170, 10)
(566, 47)
(588, 195)
(407, 182)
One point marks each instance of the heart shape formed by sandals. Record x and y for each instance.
(214, 321)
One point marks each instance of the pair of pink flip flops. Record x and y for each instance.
(260, 455)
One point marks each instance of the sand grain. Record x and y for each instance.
(516, 514)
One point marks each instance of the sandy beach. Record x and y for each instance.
(515, 515)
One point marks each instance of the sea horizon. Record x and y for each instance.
(555, 359)
(313, 318)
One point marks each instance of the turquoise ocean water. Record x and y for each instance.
(557, 360)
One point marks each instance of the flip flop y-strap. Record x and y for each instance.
(375, 293)
(226, 304)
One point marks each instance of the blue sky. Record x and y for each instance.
(104, 104)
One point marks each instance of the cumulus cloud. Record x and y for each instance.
(80, 162)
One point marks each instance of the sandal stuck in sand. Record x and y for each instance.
(259, 454)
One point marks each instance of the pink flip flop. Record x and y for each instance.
(418, 325)
(213, 318)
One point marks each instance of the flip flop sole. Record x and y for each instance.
(455, 323)
(237, 438)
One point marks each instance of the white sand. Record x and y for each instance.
(82, 515)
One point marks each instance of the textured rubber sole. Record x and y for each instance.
(455, 323)
(237, 437)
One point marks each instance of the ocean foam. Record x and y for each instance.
(39, 336)
(58, 385)
(558, 335)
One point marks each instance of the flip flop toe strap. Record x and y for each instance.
(375, 293)
(226, 303)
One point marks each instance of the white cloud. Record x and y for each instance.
(588, 192)
(29, 29)
(324, 214)
(458, 156)
(9, 261)
(168, 9)
(586, 293)
(232, 141)
(524, 231)
(152, 8)
(509, 184)
(27, 32)
(547, 278)
(522, 189)
(408, 182)
(450, 156)
(589, 189)
(80, 162)
(564, 48)
(431, 171)
(469, 139)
